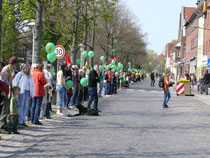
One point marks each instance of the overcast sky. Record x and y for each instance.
(159, 19)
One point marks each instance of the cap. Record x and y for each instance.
(13, 60)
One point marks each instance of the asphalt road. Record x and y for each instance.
(132, 124)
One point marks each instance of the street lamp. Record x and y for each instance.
(31, 25)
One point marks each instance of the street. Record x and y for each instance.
(132, 124)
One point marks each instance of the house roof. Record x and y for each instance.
(188, 11)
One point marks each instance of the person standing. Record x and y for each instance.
(9, 69)
(25, 81)
(152, 77)
(46, 103)
(61, 89)
(167, 94)
(14, 111)
(40, 82)
(92, 89)
(76, 80)
(100, 85)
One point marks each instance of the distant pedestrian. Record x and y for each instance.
(14, 111)
(152, 77)
(167, 94)
(92, 89)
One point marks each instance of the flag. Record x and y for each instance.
(67, 59)
(86, 65)
(204, 6)
(114, 58)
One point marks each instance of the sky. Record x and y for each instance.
(159, 19)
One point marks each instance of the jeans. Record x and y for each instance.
(93, 95)
(153, 83)
(75, 98)
(100, 88)
(28, 113)
(23, 105)
(107, 90)
(35, 109)
(62, 96)
(47, 112)
(114, 88)
(167, 96)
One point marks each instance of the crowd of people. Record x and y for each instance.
(27, 94)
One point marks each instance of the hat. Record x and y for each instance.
(13, 60)
(33, 66)
(74, 67)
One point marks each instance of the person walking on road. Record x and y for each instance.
(152, 77)
(167, 94)
(92, 89)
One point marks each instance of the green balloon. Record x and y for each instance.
(120, 66)
(50, 47)
(84, 54)
(114, 67)
(129, 63)
(129, 69)
(102, 58)
(100, 67)
(51, 57)
(91, 54)
(113, 62)
(78, 61)
(113, 50)
(115, 41)
(69, 84)
(84, 82)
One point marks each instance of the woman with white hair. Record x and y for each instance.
(46, 103)
(25, 81)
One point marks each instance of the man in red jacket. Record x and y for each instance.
(39, 81)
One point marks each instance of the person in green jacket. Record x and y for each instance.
(14, 111)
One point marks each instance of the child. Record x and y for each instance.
(14, 111)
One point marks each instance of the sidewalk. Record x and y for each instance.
(202, 97)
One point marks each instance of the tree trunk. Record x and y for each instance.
(85, 36)
(75, 34)
(1, 20)
(38, 32)
(93, 39)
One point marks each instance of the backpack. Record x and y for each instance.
(161, 82)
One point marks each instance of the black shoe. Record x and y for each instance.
(166, 106)
(38, 123)
(16, 132)
(98, 110)
(25, 125)
(2, 131)
(49, 117)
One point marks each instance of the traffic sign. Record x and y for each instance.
(60, 51)
(208, 64)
